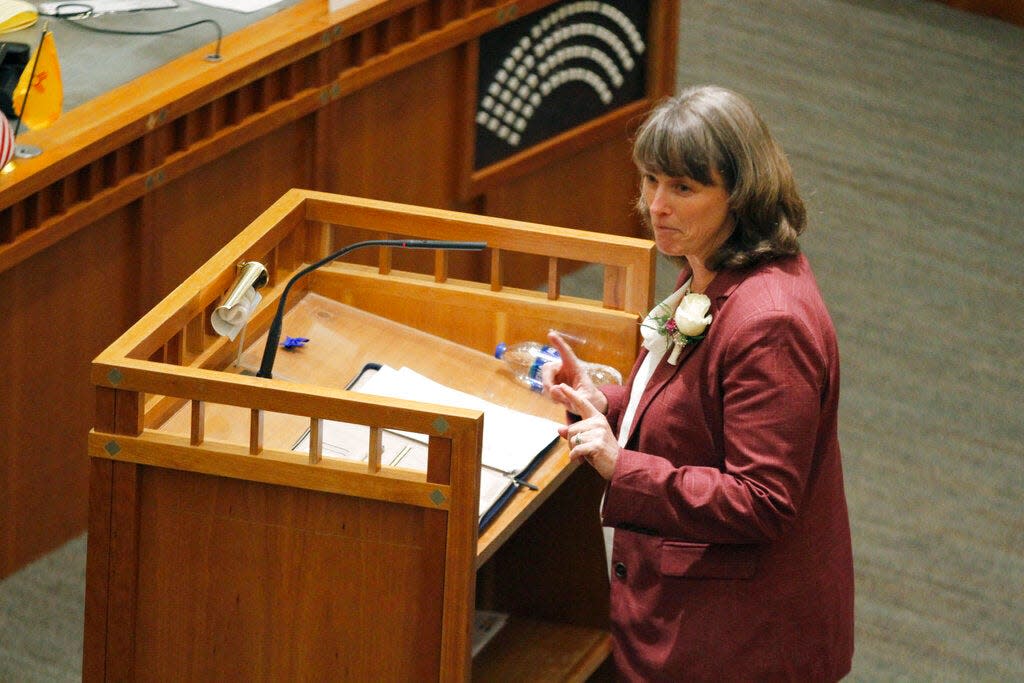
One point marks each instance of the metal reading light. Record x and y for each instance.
(230, 317)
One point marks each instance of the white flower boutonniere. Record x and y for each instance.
(687, 325)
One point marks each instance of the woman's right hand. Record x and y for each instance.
(570, 370)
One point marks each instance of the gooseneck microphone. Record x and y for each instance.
(274, 333)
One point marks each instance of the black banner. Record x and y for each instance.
(555, 69)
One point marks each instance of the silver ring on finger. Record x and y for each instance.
(577, 440)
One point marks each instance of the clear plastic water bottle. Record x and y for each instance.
(525, 360)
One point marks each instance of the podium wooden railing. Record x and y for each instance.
(215, 550)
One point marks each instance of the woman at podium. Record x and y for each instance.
(732, 556)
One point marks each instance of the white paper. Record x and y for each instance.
(333, 5)
(351, 442)
(238, 5)
(98, 7)
(511, 439)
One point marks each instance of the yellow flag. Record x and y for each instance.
(46, 94)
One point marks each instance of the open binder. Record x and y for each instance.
(513, 441)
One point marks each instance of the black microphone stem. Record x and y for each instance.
(274, 333)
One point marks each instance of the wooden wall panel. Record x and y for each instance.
(574, 193)
(223, 562)
(58, 310)
(395, 139)
(195, 215)
(398, 140)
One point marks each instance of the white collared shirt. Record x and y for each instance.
(656, 345)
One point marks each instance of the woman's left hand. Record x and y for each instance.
(591, 438)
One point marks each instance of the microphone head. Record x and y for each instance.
(442, 244)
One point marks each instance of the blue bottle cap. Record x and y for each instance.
(499, 350)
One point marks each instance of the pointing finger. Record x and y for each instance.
(577, 403)
(564, 350)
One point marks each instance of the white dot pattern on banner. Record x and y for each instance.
(536, 66)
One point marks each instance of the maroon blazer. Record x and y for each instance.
(732, 558)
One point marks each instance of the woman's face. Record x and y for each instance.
(687, 218)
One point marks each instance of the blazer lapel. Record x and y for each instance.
(718, 291)
(662, 374)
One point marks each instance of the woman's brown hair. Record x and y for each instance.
(711, 128)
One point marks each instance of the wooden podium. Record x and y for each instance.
(216, 552)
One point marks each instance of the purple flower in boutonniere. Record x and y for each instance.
(687, 325)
